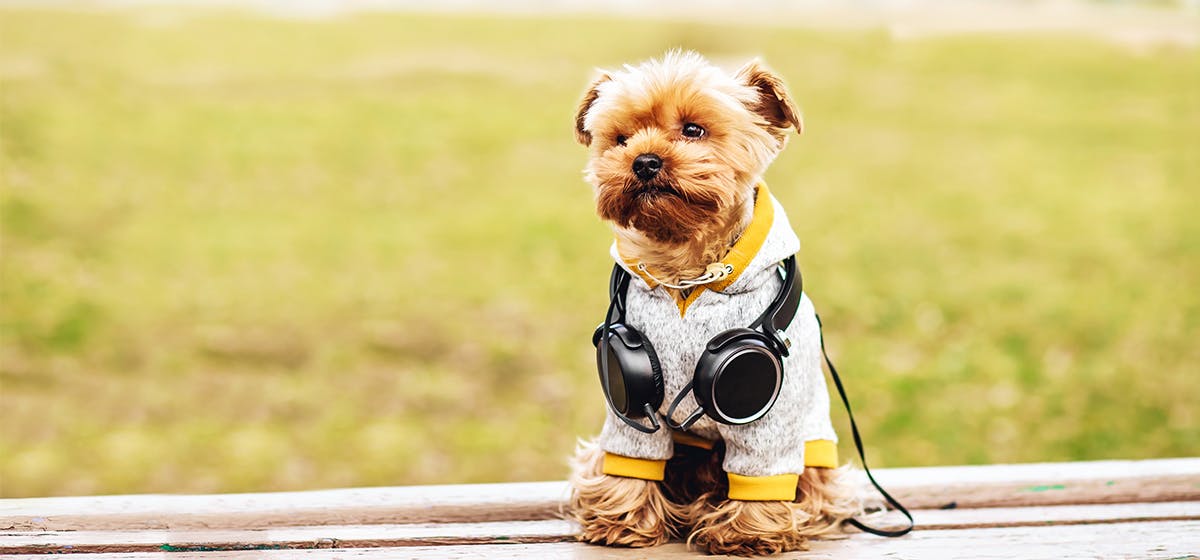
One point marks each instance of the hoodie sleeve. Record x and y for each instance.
(765, 458)
(633, 454)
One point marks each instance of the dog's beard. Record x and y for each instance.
(672, 208)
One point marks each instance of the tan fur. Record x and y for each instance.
(824, 499)
(691, 503)
(704, 195)
(619, 511)
(687, 216)
(582, 135)
(748, 529)
(774, 104)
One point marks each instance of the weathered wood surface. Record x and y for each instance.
(526, 532)
(1099, 509)
(1156, 540)
(411, 504)
(1097, 482)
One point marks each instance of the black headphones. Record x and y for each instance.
(737, 378)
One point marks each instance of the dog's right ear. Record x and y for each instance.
(774, 104)
(582, 135)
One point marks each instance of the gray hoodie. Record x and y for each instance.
(775, 444)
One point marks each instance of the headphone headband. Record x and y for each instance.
(783, 308)
(618, 286)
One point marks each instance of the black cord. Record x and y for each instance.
(695, 416)
(861, 455)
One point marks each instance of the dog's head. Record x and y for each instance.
(676, 141)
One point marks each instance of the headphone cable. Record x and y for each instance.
(861, 455)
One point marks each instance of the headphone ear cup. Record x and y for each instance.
(738, 377)
(634, 376)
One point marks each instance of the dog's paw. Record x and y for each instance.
(619, 511)
(748, 529)
(623, 512)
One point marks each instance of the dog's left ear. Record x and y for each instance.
(773, 105)
(585, 136)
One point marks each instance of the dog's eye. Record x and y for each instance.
(693, 130)
(621, 139)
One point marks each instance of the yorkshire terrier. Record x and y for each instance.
(677, 152)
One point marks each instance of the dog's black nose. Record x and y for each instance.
(646, 166)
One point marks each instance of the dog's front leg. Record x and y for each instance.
(748, 528)
(759, 515)
(619, 510)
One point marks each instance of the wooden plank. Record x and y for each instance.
(1034, 473)
(353, 536)
(1050, 491)
(407, 504)
(920, 488)
(1038, 516)
(373, 536)
(1093, 482)
(1171, 539)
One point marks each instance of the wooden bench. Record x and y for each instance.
(1104, 509)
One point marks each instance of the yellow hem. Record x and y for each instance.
(821, 453)
(630, 467)
(780, 487)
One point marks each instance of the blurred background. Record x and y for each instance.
(284, 245)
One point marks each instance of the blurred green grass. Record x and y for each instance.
(243, 253)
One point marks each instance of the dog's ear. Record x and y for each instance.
(584, 136)
(774, 104)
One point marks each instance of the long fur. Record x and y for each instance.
(690, 503)
(619, 511)
(694, 210)
(824, 499)
(686, 217)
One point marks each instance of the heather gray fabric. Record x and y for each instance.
(772, 445)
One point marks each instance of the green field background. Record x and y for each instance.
(249, 253)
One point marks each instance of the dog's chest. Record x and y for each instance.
(679, 340)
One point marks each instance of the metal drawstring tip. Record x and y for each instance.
(718, 271)
(712, 273)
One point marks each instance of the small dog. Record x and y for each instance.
(677, 151)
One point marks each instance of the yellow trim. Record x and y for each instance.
(742, 252)
(820, 453)
(781, 487)
(739, 256)
(691, 440)
(684, 303)
(630, 467)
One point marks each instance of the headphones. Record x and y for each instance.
(738, 376)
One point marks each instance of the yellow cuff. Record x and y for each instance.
(629, 467)
(781, 487)
(820, 453)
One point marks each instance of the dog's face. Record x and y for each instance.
(677, 142)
